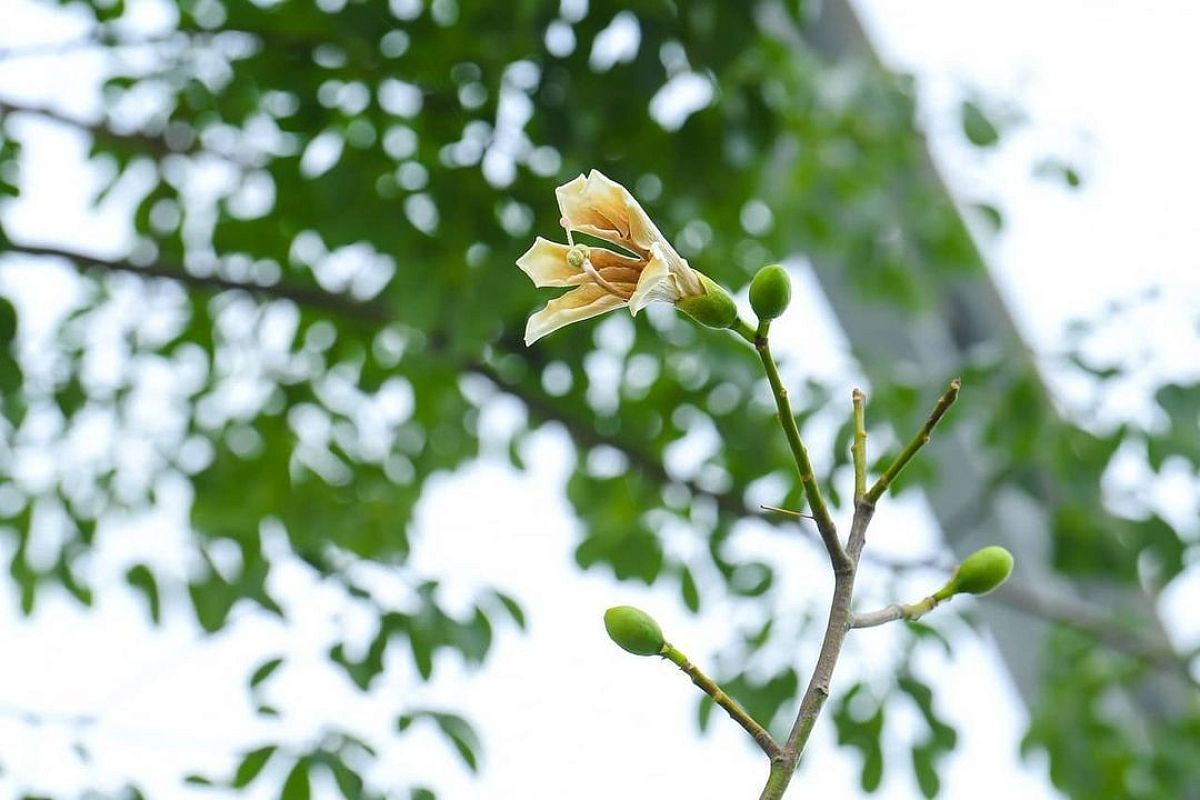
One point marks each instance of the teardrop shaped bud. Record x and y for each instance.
(979, 573)
(770, 292)
(713, 309)
(634, 630)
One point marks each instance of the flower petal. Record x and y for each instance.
(687, 280)
(594, 207)
(600, 206)
(656, 283)
(584, 302)
(546, 264)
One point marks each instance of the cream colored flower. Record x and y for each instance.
(602, 279)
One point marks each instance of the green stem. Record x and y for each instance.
(707, 685)
(808, 480)
(859, 450)
(745, 329)
(918, 441)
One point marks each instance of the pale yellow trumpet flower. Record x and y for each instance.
(602, 279)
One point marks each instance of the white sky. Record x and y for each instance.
(1106, 85)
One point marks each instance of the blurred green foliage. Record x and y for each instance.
(380, 167)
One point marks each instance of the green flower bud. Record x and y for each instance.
(634, 630)
(713, 309)
(770, 292)
(979, 573)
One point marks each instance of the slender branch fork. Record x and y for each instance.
(844, 559)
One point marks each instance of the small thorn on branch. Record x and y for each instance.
(786, 511)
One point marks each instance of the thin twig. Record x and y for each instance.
(738, 714)
(896, 611)
(858, 450)
(918, 441)
(812, 490)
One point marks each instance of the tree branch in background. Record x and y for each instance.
(155, 145)
(1095, 622)
(98, 38)
(347, 307)
(585, 436)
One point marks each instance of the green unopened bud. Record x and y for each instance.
(713, 309)
(634, 630)
(770, 292)
(979, 573)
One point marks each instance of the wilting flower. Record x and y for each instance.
(603, 279)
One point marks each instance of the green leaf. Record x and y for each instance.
(8, 323)
(977, 127)
(689, 591)
(923, 756)
(141, 578)
(704, 709)
(251, 766)
(512, 607)
(297, 786)
(862, 733)
(349, 782)
(264, 671)
(752, 579)
(455, 728)
(1058, 169)
(941, 739)
(462, 736)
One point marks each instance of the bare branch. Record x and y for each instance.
(896, 611)
(301, 295)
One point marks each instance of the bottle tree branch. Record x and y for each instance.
(738, 714)
(918, 441)
(808, 479)
(841, 616)
(893, 612)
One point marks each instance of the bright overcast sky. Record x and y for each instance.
(1106, 85)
